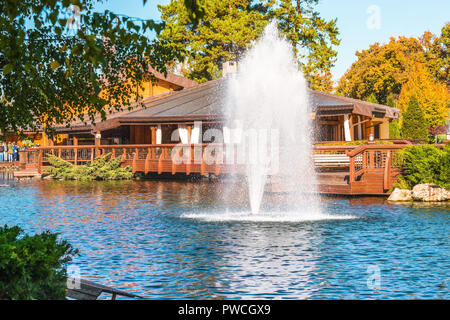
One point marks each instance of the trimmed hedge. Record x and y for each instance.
(102, 168)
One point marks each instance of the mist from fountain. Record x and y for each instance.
(268, 119)
(268, 96)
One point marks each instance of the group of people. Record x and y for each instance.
(9, 152)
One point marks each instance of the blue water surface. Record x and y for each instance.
(133, 235)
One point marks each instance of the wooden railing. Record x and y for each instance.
(369, 166)
(174, 158)
(383, 160)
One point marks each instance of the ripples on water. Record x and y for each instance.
(153, 238)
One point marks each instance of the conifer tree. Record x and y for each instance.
(228, 28)
(414, 125)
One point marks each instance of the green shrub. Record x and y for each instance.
(353, 143)
(426, 164)
(394, 130)
(401, 183)
(102, 168)
(414, 125)
(33, 267)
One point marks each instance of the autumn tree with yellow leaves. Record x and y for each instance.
(382, 70)
(432, 96)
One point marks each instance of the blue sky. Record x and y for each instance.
(358, 21)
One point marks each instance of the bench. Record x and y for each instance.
(331, 160)
(88, 290)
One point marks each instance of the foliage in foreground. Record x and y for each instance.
(102, 168)
(425, 164)
(33, 267)
(57, 56)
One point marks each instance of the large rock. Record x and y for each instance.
(401, 195)
(429, 192)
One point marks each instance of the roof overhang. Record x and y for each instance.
(336, 110)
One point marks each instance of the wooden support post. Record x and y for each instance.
(75, 150)
(189, 160)
(92, 154)
(124, 155)
(189, 130)
(153, 129)
(352, 130)
(97, 143)
(59, 153)
(75, 141)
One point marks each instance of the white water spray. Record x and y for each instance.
(268, 96)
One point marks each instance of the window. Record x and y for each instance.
(377, 131)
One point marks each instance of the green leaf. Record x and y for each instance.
(7, 69)
(54, 64)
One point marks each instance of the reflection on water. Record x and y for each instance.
(132, 235)
(6, 174)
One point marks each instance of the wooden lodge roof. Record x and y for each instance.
(203, 102)
(331, 104)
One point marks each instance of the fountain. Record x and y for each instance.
(268, 96)
(267, 107)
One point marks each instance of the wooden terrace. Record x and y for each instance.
(341, 169)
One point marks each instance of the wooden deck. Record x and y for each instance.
(342, 170)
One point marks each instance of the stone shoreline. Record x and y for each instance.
(426, 192)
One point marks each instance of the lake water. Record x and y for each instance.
(154, 238)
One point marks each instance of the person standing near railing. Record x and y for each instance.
(10, 152)
(2, 149)
(15, 152)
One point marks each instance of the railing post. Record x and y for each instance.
(352, 170)
(40, 161)
(76, 156)
(202, 165)
(161, 156)
(387, 171)
(364, 161)
(92, 154)
(147, 161)
(134, 162)
(174, 165)
(371, 159)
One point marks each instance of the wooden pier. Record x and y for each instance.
(343, 170)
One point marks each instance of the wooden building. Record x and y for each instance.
(81, 134)
(336, 118)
